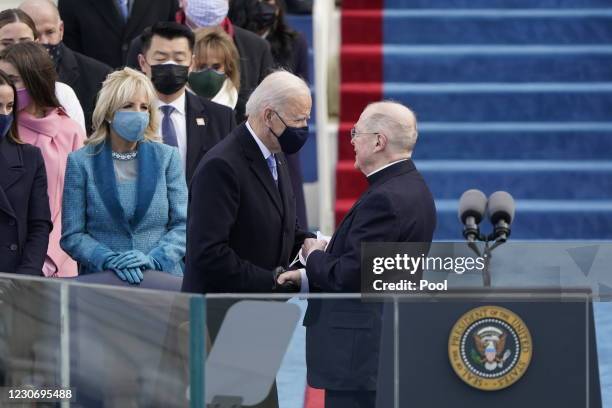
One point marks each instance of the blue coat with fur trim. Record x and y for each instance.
(94, 223)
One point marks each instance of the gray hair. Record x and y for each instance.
(275, 91)
(395, 121)
(38, 4)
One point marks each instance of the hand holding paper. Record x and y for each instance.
(311, 244)
(301, 256)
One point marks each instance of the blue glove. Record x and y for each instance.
(109, 263)
(132, 275)
(134, 259)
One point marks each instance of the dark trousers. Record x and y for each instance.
(350, 399)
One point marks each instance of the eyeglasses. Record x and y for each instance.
(354, 133)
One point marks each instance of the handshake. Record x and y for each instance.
(290, 281)
(128, 266)
(286, 281)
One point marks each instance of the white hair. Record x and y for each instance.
(395, 121)
(275, 92)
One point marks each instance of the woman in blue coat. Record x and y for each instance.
(125, 197)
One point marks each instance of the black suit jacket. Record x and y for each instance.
(85, 75)
(240, 226)
(255, 63)
(25, 219)
(96, 29)
(343, 336)
(207, 123)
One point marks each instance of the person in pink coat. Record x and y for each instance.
(43, 122)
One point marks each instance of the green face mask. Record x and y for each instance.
(207, 82)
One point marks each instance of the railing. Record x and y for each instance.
(117, 346)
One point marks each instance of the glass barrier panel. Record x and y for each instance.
(113, 347)
(529, 336)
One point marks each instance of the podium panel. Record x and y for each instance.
(561, 370)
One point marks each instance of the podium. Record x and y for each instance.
(474, 352)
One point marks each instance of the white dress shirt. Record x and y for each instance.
(264, 150)
(179, 120)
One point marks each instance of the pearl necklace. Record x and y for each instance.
(125, 156)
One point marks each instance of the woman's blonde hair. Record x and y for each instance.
(218, 40)
(117, 90)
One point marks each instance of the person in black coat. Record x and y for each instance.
(25, 218)
(266, 18)
(255, 64)
(241, 222)
(189, 122)
(82, 73)
(103, 29)
(289, 48)
(343, 336)
(245, 224)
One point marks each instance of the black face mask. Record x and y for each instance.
(292, 139)
(169, 78)
(5, 124)
(55, 52)
(265, 16)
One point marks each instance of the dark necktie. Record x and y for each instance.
(168, 131)
(272, 166)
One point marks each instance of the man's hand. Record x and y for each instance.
(284, 285)
(311, 244)
(293, 276)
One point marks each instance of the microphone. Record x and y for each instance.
(472, 205)
(501, 213)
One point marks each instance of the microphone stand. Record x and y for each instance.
(487, 254)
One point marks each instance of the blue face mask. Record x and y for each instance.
(130, 125)
(5, 124)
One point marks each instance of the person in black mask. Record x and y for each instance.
(25, 218)
(267, 19)
(289, 51)
(241, 191)
(242, 223)
(84, 74)
(189, 122)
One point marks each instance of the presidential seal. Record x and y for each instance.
(490, 348)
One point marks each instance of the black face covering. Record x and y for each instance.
(169, 78)
(292, 139)
(5, 124)
(265, 16)
(55, 52)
